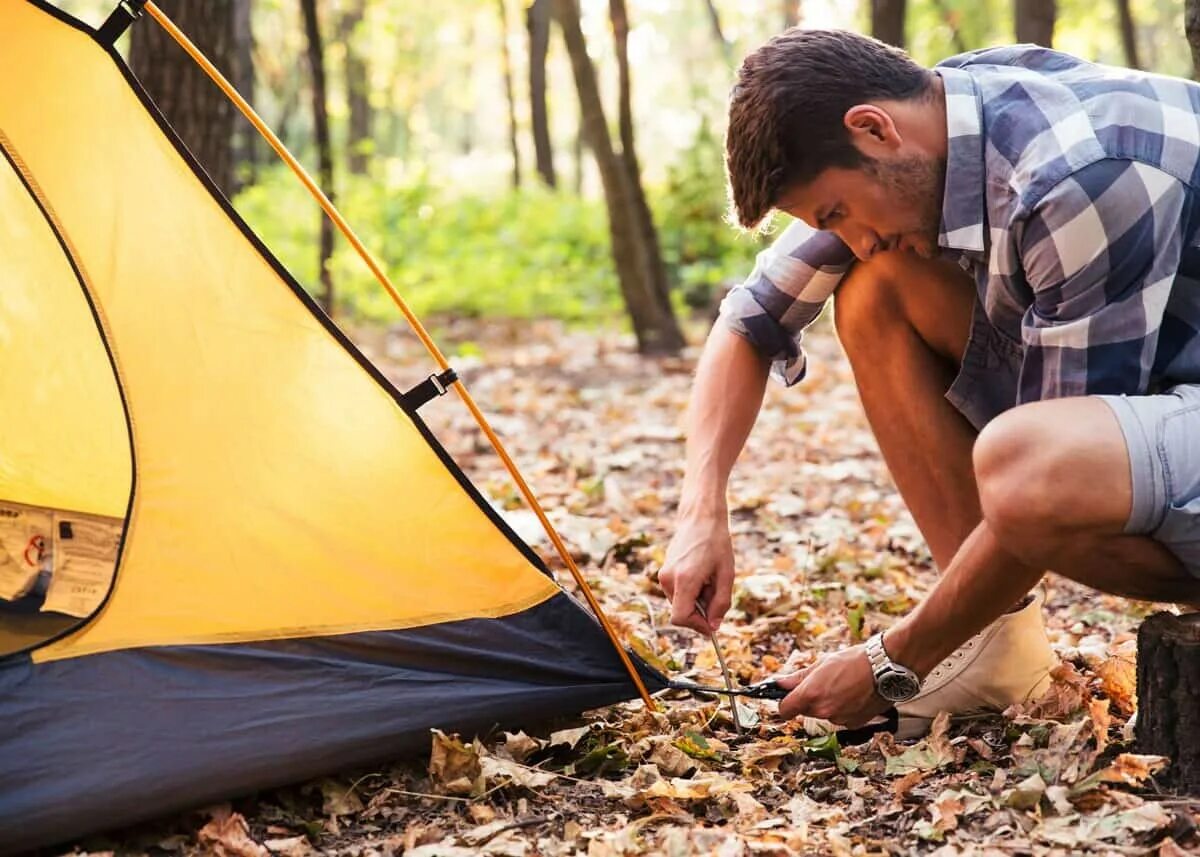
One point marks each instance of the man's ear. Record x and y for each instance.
(872, 129)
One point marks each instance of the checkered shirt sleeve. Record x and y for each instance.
(791, 281)
(1097, 310)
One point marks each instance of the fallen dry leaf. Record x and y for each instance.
(228, 835)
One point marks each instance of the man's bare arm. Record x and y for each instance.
(726, 397)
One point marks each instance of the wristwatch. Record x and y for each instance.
(892, 681)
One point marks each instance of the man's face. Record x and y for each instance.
(884, 204)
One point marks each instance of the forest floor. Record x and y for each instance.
(826, 555)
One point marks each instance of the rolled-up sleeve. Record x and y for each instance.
(1100, 254)
(791, 281)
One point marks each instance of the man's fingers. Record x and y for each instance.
(789, 681)
(666, 579)
(717, 608)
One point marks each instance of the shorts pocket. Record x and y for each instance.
(1180, 533)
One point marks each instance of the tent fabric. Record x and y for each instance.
(189, 725)
(306, 579)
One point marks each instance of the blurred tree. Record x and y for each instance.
(636, 255)
(714, 18)
(1035, 21)
(537, 23)
(1191, 28)
(316, 64)
(245, 139)
(791, 13)
(359, 140)
(198, 111)
(506, 62)
(1128, 34)
(887, 21)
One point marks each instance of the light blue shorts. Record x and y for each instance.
(1162, 435)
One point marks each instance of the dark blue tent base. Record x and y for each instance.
(107, 740)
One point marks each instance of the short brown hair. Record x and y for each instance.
(787, 107)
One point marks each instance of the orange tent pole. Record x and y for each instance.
(414, 323)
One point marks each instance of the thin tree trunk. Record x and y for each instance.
(506, 60)
(537, 22)
(714, 17)
(791, 13)
(316, 62)
(950, 16)
(643, 220)
(1191, 28)
(1035, 21)
(359, 141)
(198, 111)
(1128, 34)
(246, 139)
(657, 330)
(887, 21)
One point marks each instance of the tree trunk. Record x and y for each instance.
(791, 13)
(643, 220)
(714, 18)
(1035, 21)
(245, 140)
(1168, 685)
(506, 60)
(537, 22)
(1191, 28)
(316, 62)
(639, 266)
(359, 141)
(887, 21)
(198, 111)
(1128, 34)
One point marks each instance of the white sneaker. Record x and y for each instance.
(1007, 662)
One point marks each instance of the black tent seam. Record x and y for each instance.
(112, 585)
(125, 13)
(306, 299)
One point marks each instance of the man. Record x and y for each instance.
(1010, 240)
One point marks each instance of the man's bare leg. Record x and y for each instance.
(903, 322)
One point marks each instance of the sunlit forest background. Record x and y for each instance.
(452, 137)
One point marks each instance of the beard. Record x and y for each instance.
(916, 185)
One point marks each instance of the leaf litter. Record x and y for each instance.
(826, 555)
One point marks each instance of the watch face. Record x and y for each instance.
(898, 687)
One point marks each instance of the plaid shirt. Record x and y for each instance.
(1071, 197)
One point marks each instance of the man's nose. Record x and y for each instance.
(863, 243)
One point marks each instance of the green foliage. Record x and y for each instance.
(700, 247)
(525, 253)
(517, 254)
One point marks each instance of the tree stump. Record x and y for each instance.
(1168, 687)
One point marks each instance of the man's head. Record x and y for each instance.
(844, 132)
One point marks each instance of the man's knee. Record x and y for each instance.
(866, 301)
(899, 292)
(1033, 469)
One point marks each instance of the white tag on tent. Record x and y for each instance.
(22, 530)
(85, 556)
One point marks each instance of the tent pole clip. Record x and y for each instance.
(430, 388)
(126, 12)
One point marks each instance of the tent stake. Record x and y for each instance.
(419, 329)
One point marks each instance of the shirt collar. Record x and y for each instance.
(963, 202)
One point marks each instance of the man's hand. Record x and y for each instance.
(699, 567)
(838, 687)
